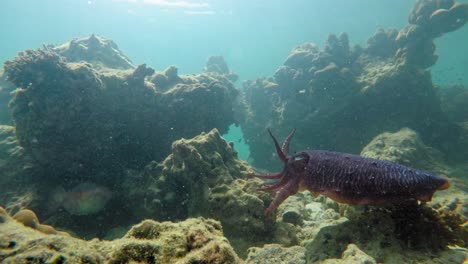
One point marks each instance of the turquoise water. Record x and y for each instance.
(236, 136)
(253, 36)
(94, 145)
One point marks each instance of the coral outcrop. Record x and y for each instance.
(203, 177)
(72, 116)
(429, 19)
(195, 240)
(339, 97)
(89, 121)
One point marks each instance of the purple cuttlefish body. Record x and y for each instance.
(348, 178)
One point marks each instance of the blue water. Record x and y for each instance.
(254, 36)
(236, 136)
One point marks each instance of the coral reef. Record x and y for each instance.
(100, 143)
(107, 119)
(195, 240)
(202, 177)
(87, 121)
(339, 97)
(179, 186)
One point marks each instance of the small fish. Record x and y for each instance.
(84, 199)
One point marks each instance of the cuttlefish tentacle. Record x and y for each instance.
(287, 140)
(289, 189)
(281, 155)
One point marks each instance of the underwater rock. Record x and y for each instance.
(380, 232)
(5, 96)
(180, 186)
(17, 171)
(405, 147)
(92, 121)
(454, 99)
(382, 43)
(78, 119)
(275, 253)
(409, 230)
(195, 240)
(340, 97)
(96, 50)
(352, 255)
(217, 65)
(428, 20)
(29, 219)
(202, 177)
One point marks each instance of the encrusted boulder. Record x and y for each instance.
(352, 255)
(339, 97)
(195, 240)
(405, 147)
(203, 177)
(409, 230)
(85, 116)
(274, 253)
(79, 118)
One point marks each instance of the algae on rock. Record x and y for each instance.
(195, 240)
(203, 177)
(339, 97)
